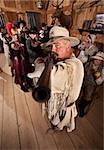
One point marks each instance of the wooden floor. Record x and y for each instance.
(22, 126)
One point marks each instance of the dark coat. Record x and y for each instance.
(33, 51)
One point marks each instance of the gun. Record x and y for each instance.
(42, 92)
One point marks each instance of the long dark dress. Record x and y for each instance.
(1, 46)
(1, 49)
(19, 64)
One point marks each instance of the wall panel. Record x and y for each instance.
(10, 3)
(27, 4)
(11, 16)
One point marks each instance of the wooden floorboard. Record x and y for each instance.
(26, 132)
(90, 133)
(45, 140)
(96, 112)
(9, 126)
(79, 139)
(62, 139)
(1, 107)
(22, 126)
(97, 116)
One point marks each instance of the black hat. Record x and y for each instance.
(44, 24)
(33, 30)
(17, 23)
(22, 22)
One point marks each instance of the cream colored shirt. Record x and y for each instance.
(67, 78)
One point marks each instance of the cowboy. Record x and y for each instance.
(87, 48)
(44, 33)
(94, 75)
(19, 65)
(90, 49)
(81, 51)
(33, 45)
(65, 82)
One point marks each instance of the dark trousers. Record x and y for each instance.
(88, 90)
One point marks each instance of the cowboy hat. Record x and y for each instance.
(33, 30)
(99, 56)
(57, 33)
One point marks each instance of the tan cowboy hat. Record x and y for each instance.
(99, 56)
(57, 33)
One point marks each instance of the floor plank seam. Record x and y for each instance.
(16, 115)
(87, 136)
(2, 117)
(90, 134)
(32, 122)
(90, 122)
(71, 140)
(51, 134)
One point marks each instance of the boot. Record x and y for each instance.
(30, 83)
(24, 88)
(82, 105)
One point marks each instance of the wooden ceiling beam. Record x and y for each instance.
(87, 4)
(8, 9)
(18, 5)
(65, 8)
(2, 3)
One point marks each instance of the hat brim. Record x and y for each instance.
(32, 32)
(97, 57)
(73, 40)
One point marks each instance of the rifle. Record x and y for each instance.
(42, 92)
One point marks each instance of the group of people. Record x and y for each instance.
(70, 74)
(25, 45)
(92, 59)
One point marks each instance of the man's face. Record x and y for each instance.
(97, 62)
(88, 41)
(33, 36)
(62, 49)
(15, 37)
(21, 26)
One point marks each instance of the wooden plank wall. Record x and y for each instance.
(85, 13)
(15, 9)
